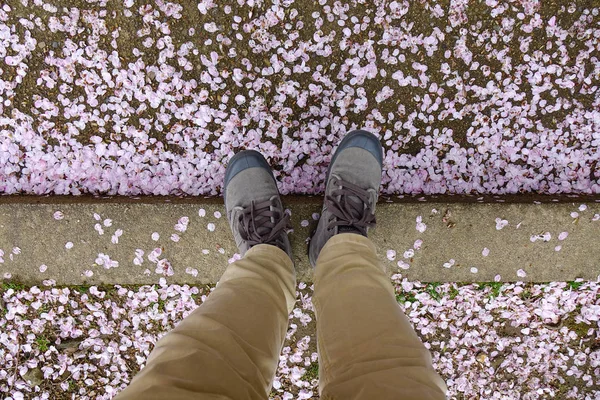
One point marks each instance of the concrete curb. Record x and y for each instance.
(456, 235)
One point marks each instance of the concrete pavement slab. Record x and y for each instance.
(84, 240)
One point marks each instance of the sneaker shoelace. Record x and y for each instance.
(351, 206)
(264, 223)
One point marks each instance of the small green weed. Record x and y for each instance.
(16, 286)
(42, 343)
(161, 304)
(404, 297)
(82, 288)
(453, 293)
(44, 308)
(574, 285)
(494, 286)
(312, 372)
(431, 289)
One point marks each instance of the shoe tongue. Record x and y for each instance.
(350, 199)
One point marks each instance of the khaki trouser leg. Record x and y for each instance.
(367, 347)
(229, 347)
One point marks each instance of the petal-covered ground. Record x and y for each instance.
(153, 97)
(488, 341)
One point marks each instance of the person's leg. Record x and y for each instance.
(229, 347)
(367, 347)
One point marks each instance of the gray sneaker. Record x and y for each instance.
(352, 189)
(254, 209)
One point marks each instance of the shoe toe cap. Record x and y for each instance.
(242, 161)
(364, 140)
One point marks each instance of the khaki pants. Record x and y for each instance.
(229, 347)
